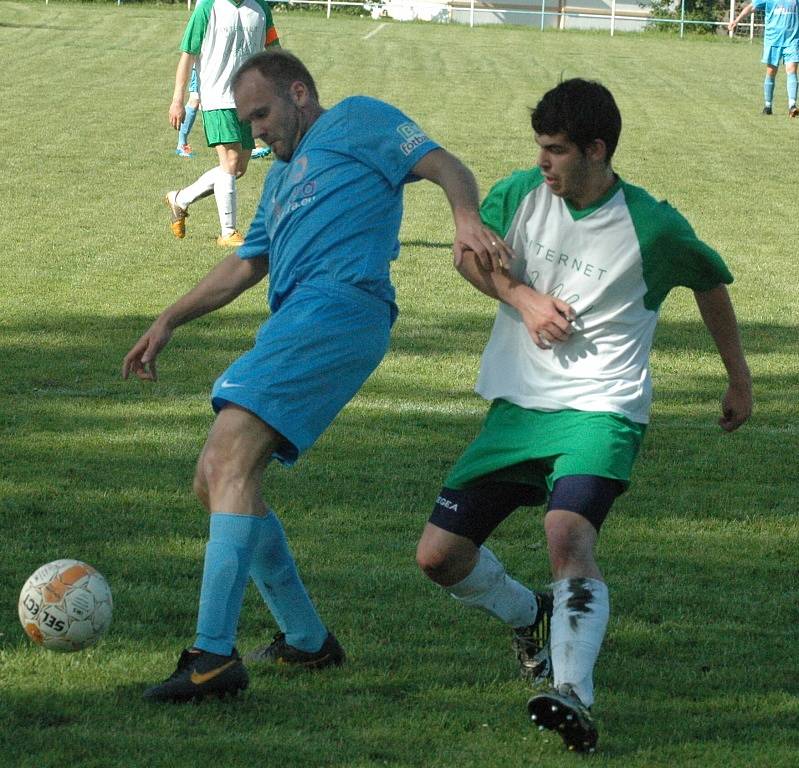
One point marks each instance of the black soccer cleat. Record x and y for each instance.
(531, 644)
(766, 111)
(560, 710)
(793, 111)
(200, 674)
(280, 652)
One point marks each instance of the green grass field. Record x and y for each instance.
(699, 666)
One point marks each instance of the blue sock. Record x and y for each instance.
(792, 83)
(274, 573)
(768, 90)
(225, 575)
(186, 126)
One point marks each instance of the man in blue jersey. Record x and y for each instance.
(325, 232)
(780, 41)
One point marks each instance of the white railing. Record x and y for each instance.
(476, 8)
(612, 18)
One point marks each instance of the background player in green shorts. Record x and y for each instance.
(569, 382)
(192, 106)
(220, 36)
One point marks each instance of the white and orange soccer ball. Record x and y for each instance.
(65, 606)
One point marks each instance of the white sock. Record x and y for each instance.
(579, 620)
(225, 194)
(203, 187)
(489, 588)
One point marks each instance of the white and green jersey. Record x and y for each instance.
(223, 34)
(614, 262)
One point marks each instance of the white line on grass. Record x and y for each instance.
(374, 31)
(419, 408)
(709, 425)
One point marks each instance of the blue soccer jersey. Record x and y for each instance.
(333, 213)
(782, 22)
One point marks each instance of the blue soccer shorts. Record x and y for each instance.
(772, 54)
(309, 359)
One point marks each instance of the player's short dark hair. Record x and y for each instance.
(279, 66)
(582, 109)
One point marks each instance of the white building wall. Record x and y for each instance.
(579, 14)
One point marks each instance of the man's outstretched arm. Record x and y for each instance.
(718, 315)
(220, 286)
(460, 187)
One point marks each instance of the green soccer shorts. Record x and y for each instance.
(538, 447)
(222, 126)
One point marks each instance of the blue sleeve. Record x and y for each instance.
(758, 4)
(257, 243)
(385, 139)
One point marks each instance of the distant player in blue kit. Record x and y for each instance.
(325, 232)
(183, 148)
(780, 41)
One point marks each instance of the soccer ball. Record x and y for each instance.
(65, 606)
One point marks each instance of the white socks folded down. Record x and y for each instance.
(489, 588)
(579, 619)
(223, 187)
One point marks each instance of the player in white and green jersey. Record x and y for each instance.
(567, 372)
(220, 36)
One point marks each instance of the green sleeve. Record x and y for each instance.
(671, 253)
(195, 29)
(504, 198)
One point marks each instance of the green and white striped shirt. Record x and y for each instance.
(614, 262)
(223, 34)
